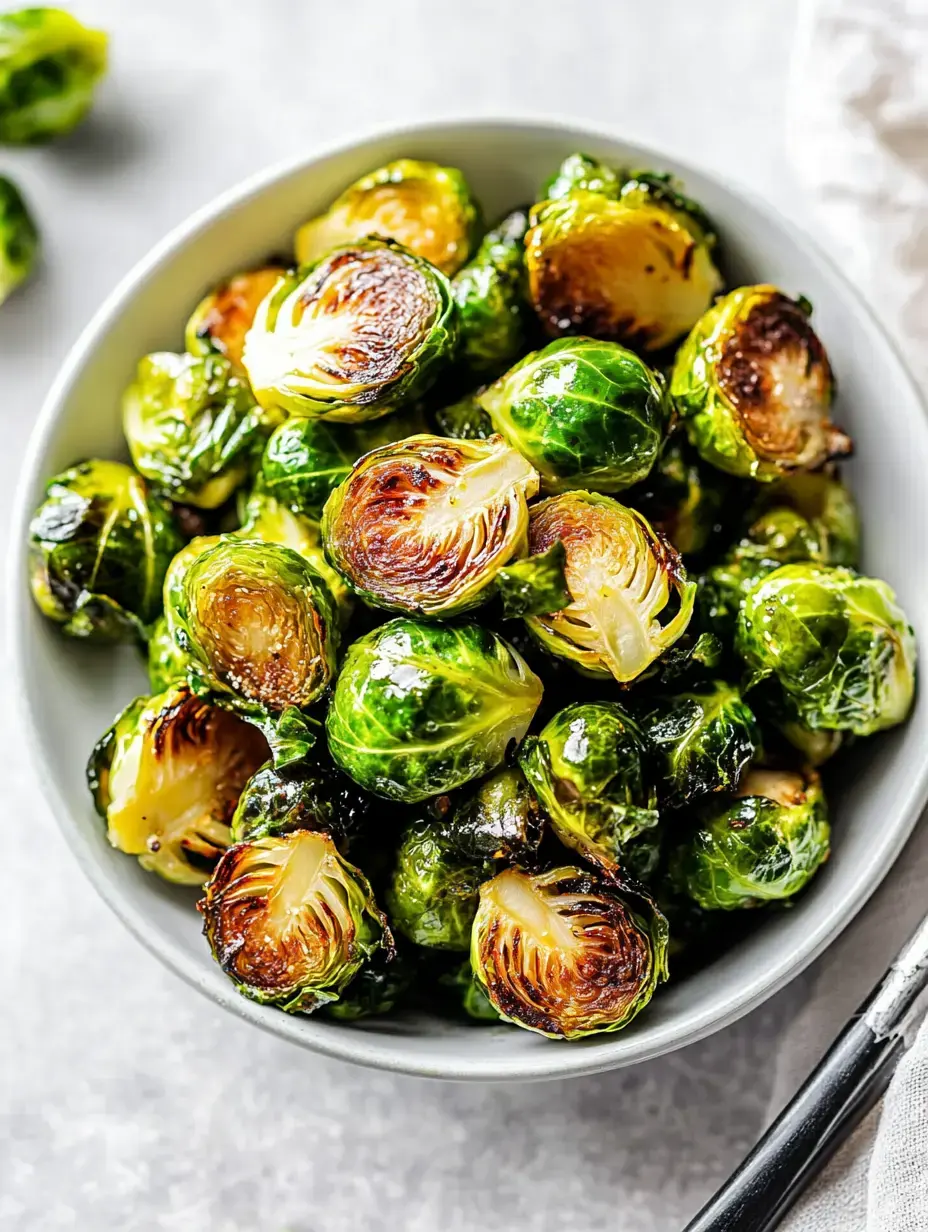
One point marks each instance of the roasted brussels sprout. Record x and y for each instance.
(638, 269)
(824, 504)
(464, 420)
(313, 794)
(222, 319)
(49, 67)
(761, 846)
(353, 337)
(424, 526)
(499, 820)
(19, 238)
(426, 208)
(586, 414)
(420, 709)
(492, 299)
(463, 992)
(702, 741)
(258, 620)
(683, 497)
(167, 663)
(432, 897)
(583, 172)
(167, 776)
(192, 426)
(588, 770)
(290, 921)
(630, 599)
(99, 546)
(754, 386)
(567, 953)
(838, 644)
(377, 988)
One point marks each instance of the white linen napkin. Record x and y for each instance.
(858, 139)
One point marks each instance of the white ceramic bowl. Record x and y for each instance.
(69, 693)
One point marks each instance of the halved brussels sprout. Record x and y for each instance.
(567, 953)
(463, 992)
(19, 239)
(838, 644)
(426, 208)
(356, 336)
(584, 172)
(167, 663)
(682, 497)
(492, 298)
(432, 897)
(762, 846)
(464, 420)
(630, 599)
(290, 921)
(703, 740)
(754, 387)
(419, 709)
(50, 65)
(192, 426)
(99, 547)
(637, 270)
(258, 620)
(586, 414)
(167, 776)
(306, 459)
(825, 505)
(222, 319)
(499, 820)
(588, 770)
(376, 989)
(424, 526)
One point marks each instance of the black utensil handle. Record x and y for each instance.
(846, 1084)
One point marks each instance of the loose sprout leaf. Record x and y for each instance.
(424, 526)
(535, 585)
(19, 239)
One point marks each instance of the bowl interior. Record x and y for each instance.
(71, 692)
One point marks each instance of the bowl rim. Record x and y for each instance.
(338, 1041)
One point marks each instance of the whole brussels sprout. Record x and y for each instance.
(19, 238)
(167, 663)
(426, 208)
(587, 768)
(492, 299)
(826, 507)
(499, 820)
(754, 387)
(464, 420)
(463, 992)
(567, 953)
(99, 547)
(313, 794)
(837, 643)
(166, 778)
(638, 269)
(377, 988)
(306, 459)
(586, 414)
(353, 337)
(702, 741)
(222, 319)
(258, 621)
(419, 709)
(583, 172)
(761, 846)
(290, 921)
(630, 599)
(683, 498)
(192, 426)
(432, 897)
(425, 526)
(49, 67)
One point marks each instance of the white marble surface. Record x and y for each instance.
(127, 1101)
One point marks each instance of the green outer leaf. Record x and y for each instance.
(534, 585)
(584, 172)
(464, 420)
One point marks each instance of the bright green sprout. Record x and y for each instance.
(19, 239)
(492, 298)
(583, 172)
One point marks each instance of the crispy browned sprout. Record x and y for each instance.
(221, 320)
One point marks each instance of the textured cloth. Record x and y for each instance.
(858, 139)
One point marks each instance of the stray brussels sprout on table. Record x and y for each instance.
(166, 778)
(492, 299)
(499, 820)
(99, 547)
(762, 845)
(419, 709)
(290, 921)
(361, 333)
(586, 414)
(583, 172)
(222, 319)
(754, 386)
(50, 65)
(19, 239)
(630, 599)
(568, 952)
(426, 208)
